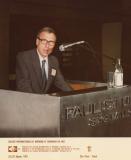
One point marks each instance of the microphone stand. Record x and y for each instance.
(92, 52)
(89, 48)
(94, 55)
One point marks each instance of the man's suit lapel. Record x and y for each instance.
(36, 67)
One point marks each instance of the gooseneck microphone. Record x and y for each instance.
(64, 46)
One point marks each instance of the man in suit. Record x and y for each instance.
(37, 70)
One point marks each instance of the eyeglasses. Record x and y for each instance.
(45, 41)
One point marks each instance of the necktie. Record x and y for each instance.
(43, 75)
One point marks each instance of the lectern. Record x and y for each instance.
(87, 112)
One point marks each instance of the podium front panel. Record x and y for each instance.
(28, 115)
(105, 113)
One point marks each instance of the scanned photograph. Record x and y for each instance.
(64, 74)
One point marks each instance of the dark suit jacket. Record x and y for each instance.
(28, 73)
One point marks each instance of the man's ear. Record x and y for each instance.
(37, 42)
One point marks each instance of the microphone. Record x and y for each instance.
(64, 46)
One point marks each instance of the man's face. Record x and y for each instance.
(45, 43)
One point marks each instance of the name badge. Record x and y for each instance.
(53, 72)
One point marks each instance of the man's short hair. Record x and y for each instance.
(46, 29)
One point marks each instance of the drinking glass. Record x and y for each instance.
(110, 80)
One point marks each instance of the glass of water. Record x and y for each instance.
(110, 80)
